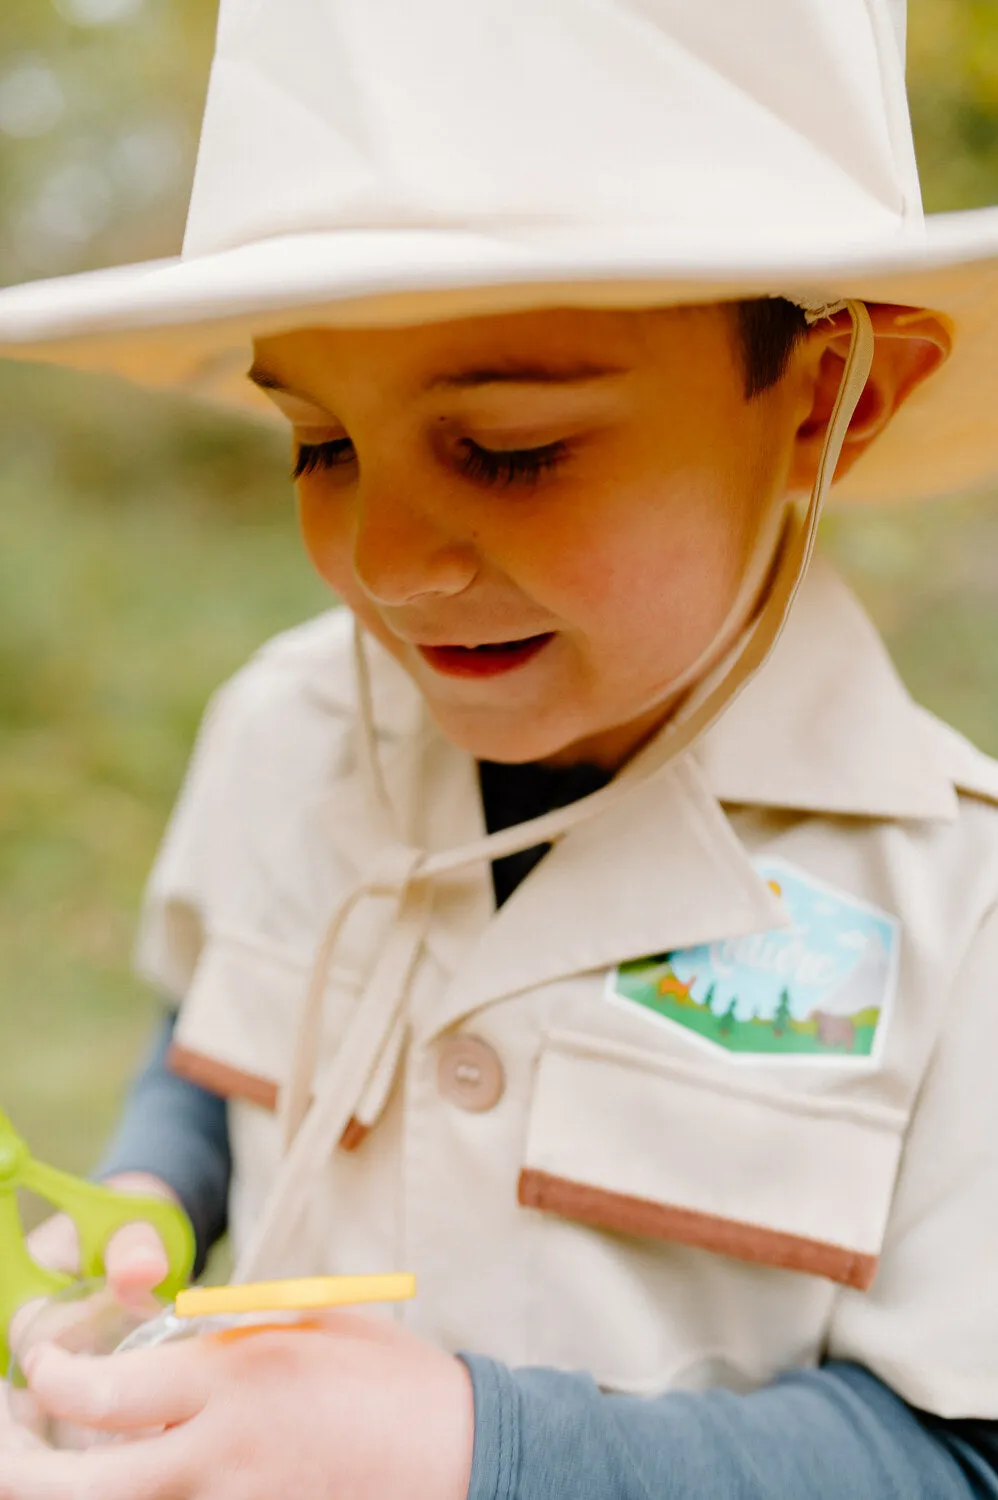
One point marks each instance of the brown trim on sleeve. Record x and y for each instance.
(220, 1078)
(640, 1216)
(355, 1134)
(233, 1083)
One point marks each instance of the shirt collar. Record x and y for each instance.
(826, 725)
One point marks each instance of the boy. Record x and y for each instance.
(585, 918)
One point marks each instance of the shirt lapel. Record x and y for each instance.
(451, 818)
(658, 870)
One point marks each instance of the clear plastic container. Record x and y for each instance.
(86, 1318)
(89, 1319)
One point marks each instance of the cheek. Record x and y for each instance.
(663, 562)
(327, 533)
(327, 530)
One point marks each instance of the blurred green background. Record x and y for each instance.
(145, 548)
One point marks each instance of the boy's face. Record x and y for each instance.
(544, 517)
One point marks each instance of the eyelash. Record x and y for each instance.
(504, 468)
(311, 457)
(498, 467)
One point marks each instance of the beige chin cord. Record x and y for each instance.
(346, 1099)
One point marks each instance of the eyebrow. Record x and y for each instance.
(514, 372)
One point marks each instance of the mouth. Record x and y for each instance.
(491, 659)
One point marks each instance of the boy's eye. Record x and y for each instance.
(312, 457)
(495, 466)
(509, 466)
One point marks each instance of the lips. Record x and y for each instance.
(489, 660)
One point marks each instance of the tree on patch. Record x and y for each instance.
(782, 1018)
(708, 999)
(729, 1018)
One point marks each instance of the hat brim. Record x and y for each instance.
(188, 324)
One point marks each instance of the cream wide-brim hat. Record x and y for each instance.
(374, 163)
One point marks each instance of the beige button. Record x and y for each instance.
(470, 1074)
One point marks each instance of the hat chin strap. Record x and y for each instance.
(348, 1097)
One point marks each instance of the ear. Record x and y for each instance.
(911, 343)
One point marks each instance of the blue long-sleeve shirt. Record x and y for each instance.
(179, 1133)
(836, 1433)
(832, 1434)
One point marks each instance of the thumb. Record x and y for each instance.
(56, 1244)
(135, 1260)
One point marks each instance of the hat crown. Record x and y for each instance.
(513, 116)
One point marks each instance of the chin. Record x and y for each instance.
(510, 739)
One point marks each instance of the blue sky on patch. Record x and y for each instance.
(838, 956)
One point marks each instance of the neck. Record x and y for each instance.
(611, 749)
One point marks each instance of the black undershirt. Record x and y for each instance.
(515, 794)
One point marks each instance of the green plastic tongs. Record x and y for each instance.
(98, 1213)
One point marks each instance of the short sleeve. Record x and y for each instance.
(929, 1324)
(172, 921)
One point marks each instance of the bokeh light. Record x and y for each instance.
(32, 101)
(98, 12)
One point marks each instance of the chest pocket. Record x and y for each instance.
(639, 1164)
(658, 1149)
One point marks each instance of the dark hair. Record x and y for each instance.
(769, 330)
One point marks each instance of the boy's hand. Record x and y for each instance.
(135, 1258)
(136, 1261)
(346, 1407)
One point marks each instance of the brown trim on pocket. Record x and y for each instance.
(220, 1078)
(640, 1216)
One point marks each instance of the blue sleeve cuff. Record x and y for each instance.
(832, 1434)
(496, 1461)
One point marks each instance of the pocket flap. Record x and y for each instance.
(237, 1023)
(648, 1146)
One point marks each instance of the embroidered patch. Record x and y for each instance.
(820, 989)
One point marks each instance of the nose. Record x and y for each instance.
(402, 552)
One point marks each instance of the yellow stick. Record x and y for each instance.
(294, 1296)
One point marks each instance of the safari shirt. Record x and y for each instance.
(708, 1098)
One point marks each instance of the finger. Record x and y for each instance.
(127, 1393)
(152, 1469)
(19, 1331)
(136, 1259)
(21, 1423)
(69, 1320)
(56, 1244)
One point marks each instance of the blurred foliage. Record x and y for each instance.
(130, 585)
(953, 87)
(99, 112)
(146, 548)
